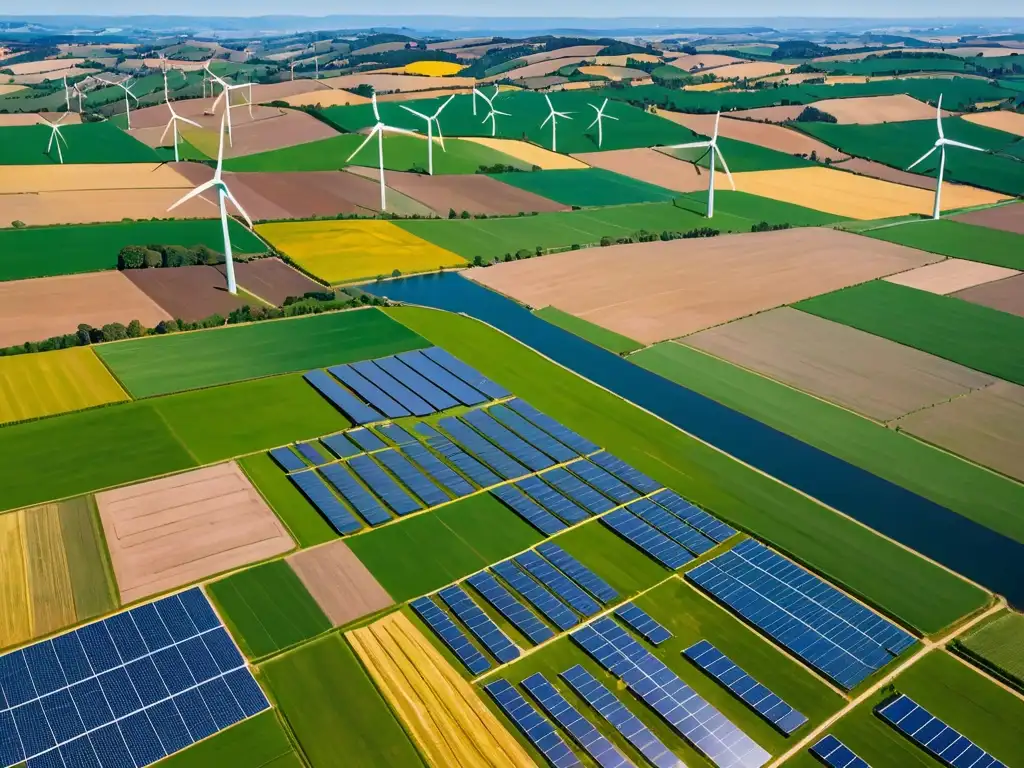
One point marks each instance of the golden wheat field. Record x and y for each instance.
(544, 159)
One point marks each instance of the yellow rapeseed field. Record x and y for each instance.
(853, 196)
(528, 153)
(15, 619)
(47, 383)
(345, 251)
(434, 68)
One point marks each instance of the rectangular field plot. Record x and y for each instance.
(537, 729)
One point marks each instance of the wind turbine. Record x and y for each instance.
(492, 116)
(600, 116)
(431, 120)
(56, 136)
(316, 61)
(225, 94)
(378, 131)
(553, 117)
(81, 95)
(292, 66)
(713, 149)
(173, 122)
(67, 96)
(940, 144)
(223, 195)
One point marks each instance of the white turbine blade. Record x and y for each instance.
(441, 108)
(241, 210)
(604, 105)
(548, 100)
(220, 150)
(410, 109)
(594, 108)
(195, 193)
(922, 157)
(393, 129)
(718, 116)
(595, 121)
(499, 112)
(440, 136)
(938, 117)
(691, 145)
(166, 129)
(960, 144)
(366, 141)
(548, 119)
(565, 114)
(61, 119)
(186, 120)
(373, 98)
(610, 117)
(725, 165)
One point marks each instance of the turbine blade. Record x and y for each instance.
(594, 108)
(548, 100)
(440, 136)
(610, 117)
(166, 129)
(241, 210)
(725, 165)
(441, 108)
(195, 193)
(718, 117)
(393, 129)
(499, 112)
(366, 141)
(922, 157)
(373, 100)
(410, 109)
(960, 144)
(594, 122)
(691, 145)
(186, 120)
(548, 119)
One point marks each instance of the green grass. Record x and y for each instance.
(86, 143)
(304, 523)
(929, 598)
(260, 742)
(428, 551)
(587, 187)
(976, 493)
(91, 580)
(164, 364)
(334, 709)
(743, 156)
(979, 337)
(47, 251)
(754, 209)
(884, 65)
(1000, 644)
(268, 609)
(595, 334)
(959, 240)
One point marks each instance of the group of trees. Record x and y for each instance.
(815, 115)
(153, 256)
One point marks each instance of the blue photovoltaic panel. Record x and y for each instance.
(507, 440)
(671, 526)
(539, 597)
(647, 676)
(603, 481)
(409, 400)
(531, 512)
(578, 572)
(320, 496)
(540, 732)
(463, 462)
(624, 472)
(552, 500)
(583, 732)
(361, 500)
(833, 753)
(535, 630)
(469, 375)
(608, 706)
(411, 477)
(710, 526)
(395, 434)
(357, 411)
(642, 623)
(558, 583)
(560, 432)
(479, 623)
(100, 696)
(752, 693)
(456, 640)
(654, 543)
(366, 440)
(371, 393)
(934, 736)
(483, 449)
(383, 485)
(443, 475)
(287, 460)
(399, 371)
(533, 434)
(578, 491)
(341, 446)
(437, 375)
(311, 453)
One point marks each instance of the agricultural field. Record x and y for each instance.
(952, 276)
(304, 523)
(959, 240)
(260, 742)
(871, 110)
(756, 209)
(1005, 218)
(998, 644)
(342, 586)
(287, 128)
(86, 143)
(1008, 122)
(1006, 295)
(651, 166)
(530, 154)
(743, 156)
(273, 281)
(587, 187)
(189, 293)
(595, 334)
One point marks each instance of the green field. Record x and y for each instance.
(958, 239)
(92, 581)
(428, 551)
(268, 609)
(753, 209)
(304, 523)
(972, 491)
(588, 187)
(623, 566)
(979, 337)
(595, 334)
(163, 364)
(894, 65)
(260, 742)
(742, 156)
(929, 598)
(86, 143)
(47, 251)
(1000, 644)
(315, 683)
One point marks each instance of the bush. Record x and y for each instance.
(606, 240)
(131, 257)
(814, 115)
(153, 258)
(764, 226)
(18, 224)
(523, 253)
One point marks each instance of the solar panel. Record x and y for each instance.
(453, 637)
(438, 376)
(671, 526)
(643, 624)
(319, 495)
(934, 736)
(552, 500)
(560, 432)
(442, 474)
(530, 511)
(747, 689)
(532, 434)
(539, 597)
(707, 729)
(650, 541)
(462, 461)
(508, 606)
(582, 730)
(558, 583)
(395, 434)
(578, 572)
(396, 497)
(399, 371)
(483, 449)
(411, 477)
(578, 491)
(480, 624)
(361, 500)
(534, 726)
(355, 409)
(507, 440)
(103, 692)
(469, 375)
(341, 446)
(833, 753)
(366, 440)
(371, 393)
(311, 453)
(603, 481)
(608, 706)
(626, 473)
(409, 400)
(710, 526)
(287, 460)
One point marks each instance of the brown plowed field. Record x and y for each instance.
(169, 532)
(578, 52)
(46, 65)
(614, 73)
(339, 582)
(951, 275)
(187, 293)
(273, 280)
(986, 426)
(54, 75)
(870, 110)
(289, 128)
(33, 310)
(1009, 218)
(865, 373)
(201, 111)
(763, 134)
(1006, 295)
(651, 166)
(88, 207)
(885, 173)
(661, 290)
(397, 82)
(55, 178)
(701, 61)
(769, 114)
(36, 118)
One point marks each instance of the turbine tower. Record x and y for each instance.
(56, 137)
(431, 121)
(81, 95)
(600, 116)
(378, 131)
(714, 151)
(173, 122)
(67, 96)
(126, 87)
(225, 94)
(553, 117)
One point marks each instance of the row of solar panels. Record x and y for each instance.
(316, 453)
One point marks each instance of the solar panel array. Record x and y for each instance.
(578, 572)
(558, 582)
(479, 623)
(395, 434)
(411, 477)
(383, 485)
(125, 691)
(319, 495)
(642, 623)
(341, 446)
(649, 540)
(439, 377)
(552, 500)
(829, 630)
(441, 473)
(606, 483)
(397, 391)
(287, 459)
(361, 500)
(461, 460)
(483, 449)
(455, 366)
(557, 612)
(453, 637)
(355, 409)
(402, 373)
(533, 434)
(534, 726)
(561, 433)
(311, 453)
(707, 524)
(529, 510)
(660, 518)
(366, 440)
(629, 475)
(833, 753)
(370, 392)
(578, 491)
(509, 606)
(747, 689)
(934, 736)
(507, 440)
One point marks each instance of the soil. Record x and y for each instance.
(37, 118)
(87, 207)
(186, 293)
(702, 61)
(870, 110)
(951, 275)
(885, 173)
(578, 52)
(273, 280)
(763, 134)
(651, 166)
(1009, 218)
(339, 582)
(1006, 295)
(771, 114)
(751, 69)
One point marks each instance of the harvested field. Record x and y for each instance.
(875, 170)
(701, 61)
(614, 73)
(263, 93)
(9, 88)
(381, 48)
(578, 52)
(651, 167)
(325, 97)
(272, 280)
(339, 582)
(544, 159)
(33, 310)
(1006, 295)
(45, 65)
(951, 275)
(289, 129)
(40, 209)
(1010, 122)
(202, 112)
(764, 135)
(877, 109)
(53, 75)
(661, 290)
(1009, 218)
(791, 78)
(166, 533)
(867, 374)
(769, 114)
(395, 82)
(442, 712)
(986, 427)
(66, 178)
(588, 187)
(49, 581)
(15, 119)
(751, 70)
(714, 85)
(461, 42)
(187, 293)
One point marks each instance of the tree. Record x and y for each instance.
(114, 332)
(131, 257)
(452, 214)
(465, 215)
(135, 330)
